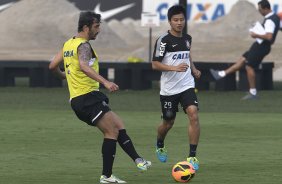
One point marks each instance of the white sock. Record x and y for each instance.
(253, 91)
(222, 73)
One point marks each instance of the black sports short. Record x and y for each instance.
(90, 107)
(256, 53)
(170, 103)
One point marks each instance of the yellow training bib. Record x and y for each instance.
(78, 82)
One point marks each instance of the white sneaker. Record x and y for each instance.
(143, 164)
(112, 179)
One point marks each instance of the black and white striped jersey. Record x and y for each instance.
(171, 50)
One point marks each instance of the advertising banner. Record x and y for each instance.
(197, 10)
(201, 10)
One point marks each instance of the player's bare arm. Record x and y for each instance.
(156, 65)
(267, 36)
(84, 57)
(55, 63)
(195, 71)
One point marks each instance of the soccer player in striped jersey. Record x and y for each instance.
(172, 56)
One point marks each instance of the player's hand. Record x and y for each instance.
(111, 86)
(182, 67)
(196, 73)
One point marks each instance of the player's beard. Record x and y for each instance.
(93, 36)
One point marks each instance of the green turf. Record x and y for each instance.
(42, 142)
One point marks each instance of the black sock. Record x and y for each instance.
(193, 148)
(108, 153)
(127, 145)
(160, 143)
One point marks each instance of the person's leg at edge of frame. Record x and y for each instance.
(251, 79)
(110, 131)
(193, 134)
(127, 145)
(236, 66)
(218, 74)
(251, 75)
(162, 131)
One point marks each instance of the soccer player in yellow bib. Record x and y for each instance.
(89, 104)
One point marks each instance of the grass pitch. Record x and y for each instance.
(42, 142)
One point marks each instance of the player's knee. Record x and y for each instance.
(194, 120)
(112, 132)
(115, 132)
(193, 116)
(168, 124)
(169, 115)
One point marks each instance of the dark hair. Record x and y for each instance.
(87, 18)
(264, 4)
(174, 10)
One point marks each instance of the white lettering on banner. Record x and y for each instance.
(200, 10)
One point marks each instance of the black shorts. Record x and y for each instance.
(256, 53)
(170, 103)
(90, 107)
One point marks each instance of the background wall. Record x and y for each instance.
(36, 29)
